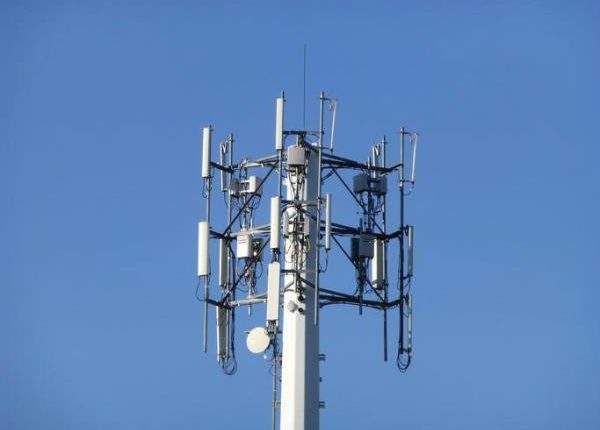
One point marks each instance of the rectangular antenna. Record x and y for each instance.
(206, 138)
(222, 333)
(377, 265)
(328, 221)
(409, 305)
(222, 156)
(279, 124)
(223, 262)
(375, 160)
(414, 158)
(273, 291)
(286, 224)
(334, 107)
(275, 222)
(203, 235)
(410, 234)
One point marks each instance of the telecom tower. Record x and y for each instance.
(300, 235)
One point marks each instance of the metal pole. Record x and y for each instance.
(401, 266)
(230, 257)
(300, 349)
(318, 254)
(208, 184)
(280, 155)
(275, 359)
(385, 263)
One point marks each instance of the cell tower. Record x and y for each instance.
(299, 235)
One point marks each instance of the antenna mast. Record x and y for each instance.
(299, 233)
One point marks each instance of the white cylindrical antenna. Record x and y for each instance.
(206, 138)
(273, 291)
(411, 247)
(203, 235)
(327, 221)
(414, 157)
(223, 262)
(279, 123)
(275, 223)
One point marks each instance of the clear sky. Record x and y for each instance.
(102, 108)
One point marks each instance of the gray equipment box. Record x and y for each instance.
(360, 183)
(365, 246)
(380, 185)
(244, 246)
(363, 183)
(257, 244)
(296, 156)
(234, 187)
(252, 185)
(354, 248)
(361, 246)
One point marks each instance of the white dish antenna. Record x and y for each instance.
(258, 340)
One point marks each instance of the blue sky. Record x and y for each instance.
(103, 104)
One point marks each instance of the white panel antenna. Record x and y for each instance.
(415, 140)
(279, 124)
(203, 235)
(206, 143)
(411, 245)
(328, 221)
(377, 264)
(333, 107)
(273, 291)
(223, 262)
(275, 222)
(222, 156)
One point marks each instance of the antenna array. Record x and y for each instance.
(299, 234)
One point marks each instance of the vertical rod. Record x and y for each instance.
(205, 323)
(385, 263)
(222, 163)
(318, 238)
(304, 91)
(208, 184)
(230, 257)
(229, 209)
(280, 178)
(401, 268)
(275, 358)
(281, 155)
(229, 212)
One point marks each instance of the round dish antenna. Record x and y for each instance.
(258, 340)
